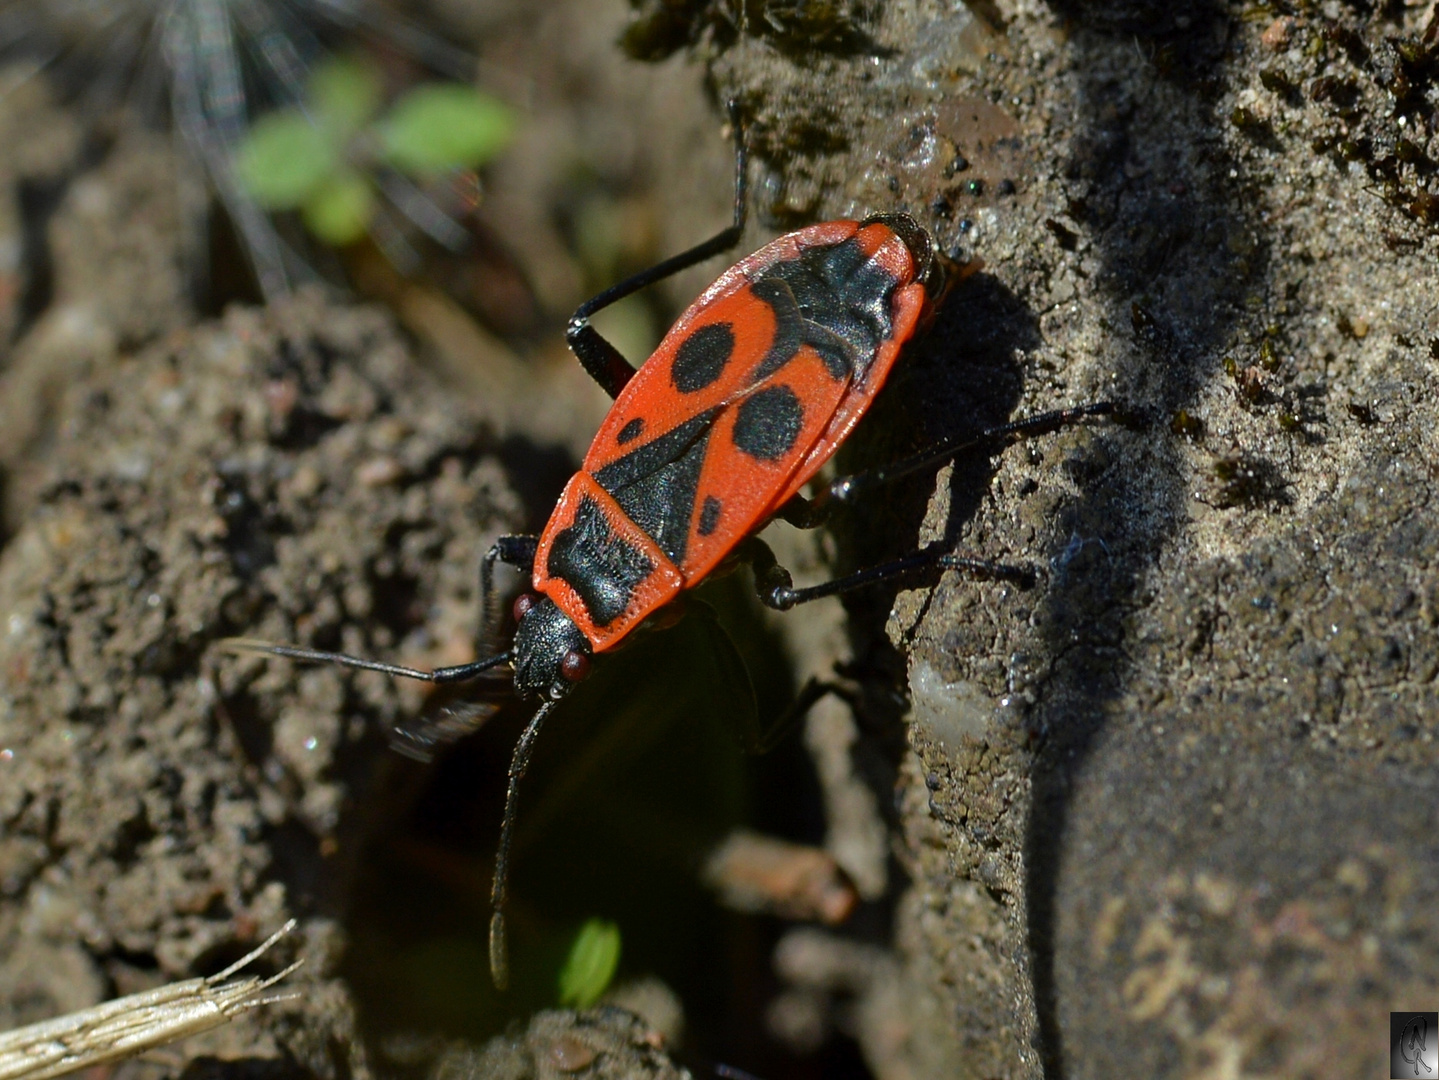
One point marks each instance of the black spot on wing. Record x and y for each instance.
(768, 422)
(709, 515)
(631, 431)
(655, 483)
(601, 567)
(842, 301)
(701, 357)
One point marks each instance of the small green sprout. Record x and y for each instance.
(591, 964)
(340, 209)
(314, 159)
(345, 94)
(285, 158)
(445, 126)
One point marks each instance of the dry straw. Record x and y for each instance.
(138, 1023)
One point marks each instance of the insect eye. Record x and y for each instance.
(523, 603)
(575, 666)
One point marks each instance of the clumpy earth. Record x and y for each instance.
(162, 815)
(605, 1043)
(1168, 812)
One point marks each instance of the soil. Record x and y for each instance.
(605, 1043)
(1168, 812)
(165, 808)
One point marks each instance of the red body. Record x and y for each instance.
(749, 394)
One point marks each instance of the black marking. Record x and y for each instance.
(631, 431)
(768, 423)
(654, 455)
(832, 298)
(702, 357)
(601, 567)
(709, 515)
(789, 326)
(655, 483)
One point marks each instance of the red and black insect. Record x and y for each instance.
(745, 399)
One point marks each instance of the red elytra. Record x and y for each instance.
(741, 491)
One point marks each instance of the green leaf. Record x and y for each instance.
(591, 964)
(283, 159)
(339, 211)
(344, 94)
(446, 126)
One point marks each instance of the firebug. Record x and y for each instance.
(749, 394)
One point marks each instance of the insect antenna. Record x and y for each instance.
(499, 950)
(458, 673)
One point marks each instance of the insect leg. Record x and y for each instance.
(755, 736)
(601, 360)
(808, 513)
(516, 551)
(420, 737)
(765, 737)
(776, 588)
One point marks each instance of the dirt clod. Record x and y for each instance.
(165, 807)
(604, 1043)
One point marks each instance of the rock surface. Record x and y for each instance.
(1172, 811)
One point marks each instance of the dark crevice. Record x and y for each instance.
(280, 1068)
(226, 274)
(397, 601)
(303, 427)
(38, 200)
(250, 532)
(537, 474)
(251, 729)
(301, 866)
